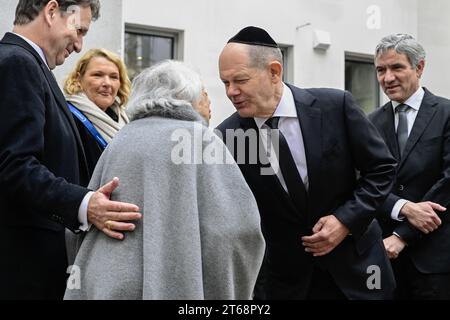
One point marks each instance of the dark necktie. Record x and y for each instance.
(294, 183)
(402, 128)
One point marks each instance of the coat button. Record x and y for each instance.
(401, 187)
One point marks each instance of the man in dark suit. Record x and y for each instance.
(416, 126)
(41, 156)
(317, 212)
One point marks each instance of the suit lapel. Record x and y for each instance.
(388, 129)
(424, 116)
(310, 120)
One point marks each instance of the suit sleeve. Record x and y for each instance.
(387, 206)
(376, 167)
(438, 193)
(22, 175)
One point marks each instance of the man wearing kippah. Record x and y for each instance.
(317, 211)
(416, 127)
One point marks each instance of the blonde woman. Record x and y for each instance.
(97, 91)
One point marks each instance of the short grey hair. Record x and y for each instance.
(402, 43)
(167, 85)
(261, 56)
(28, 10)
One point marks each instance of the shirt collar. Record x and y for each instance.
(285, 109)
(35, 47)
(414, 101)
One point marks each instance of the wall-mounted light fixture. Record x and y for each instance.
(322, 40)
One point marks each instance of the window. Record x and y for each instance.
(361, 81)
(286, 50)
(146, 46)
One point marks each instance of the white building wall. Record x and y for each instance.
(346, 20)
(434, 34)
(209, 24)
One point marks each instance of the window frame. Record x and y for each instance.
(367, 59)
(288, 62)
(177, 37)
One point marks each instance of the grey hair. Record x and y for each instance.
(28, 10)
(261, 56)
(402, 43)
(169, 88)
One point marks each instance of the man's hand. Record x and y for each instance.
(107, 215)
(422, 215)
(394, 245)
(328, 233)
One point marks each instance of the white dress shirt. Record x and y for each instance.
(414, 103)
(290, 127)
(82, 210)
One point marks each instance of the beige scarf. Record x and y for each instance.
(106, 126)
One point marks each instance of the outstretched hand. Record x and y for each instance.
(111, 217)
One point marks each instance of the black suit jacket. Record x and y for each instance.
(338, 140)
(91, 147)
(41, 164)
(422, 175)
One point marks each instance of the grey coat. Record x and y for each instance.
(199, 237)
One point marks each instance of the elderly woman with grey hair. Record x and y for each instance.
(200, 236)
